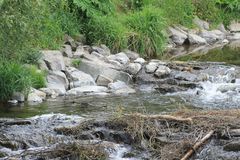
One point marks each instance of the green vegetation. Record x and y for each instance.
(28, 26)
(76, 63)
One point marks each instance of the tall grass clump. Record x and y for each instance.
(146, 31)
(37, 77)
(14, 78)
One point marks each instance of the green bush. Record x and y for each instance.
(14, 78)
(37, 77)
(106, 30)
(146, 34)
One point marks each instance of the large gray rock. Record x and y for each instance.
(36, 96)
(234, 27)
(102, 50)
(201, 24)
(120, 57)
(162, 71)
(120, 87)
(103, 81)
(87, 90)
(177, 36)
(212, 36)
(80, 52)
(58, 82)
(67, 51)
(95, 68)
(131, 55)
(195, 39)
(78, 78)
(151, 67)
(133, 68)
(54, 60)
(70, 41)
(140, 61)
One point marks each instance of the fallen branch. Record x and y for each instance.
(197, 145)
(164, 117)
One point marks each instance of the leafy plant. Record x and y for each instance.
(76, 62)
(37, 77)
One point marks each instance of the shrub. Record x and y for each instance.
(14, 78)
(37, 77)
(146, 36)
(106, 30)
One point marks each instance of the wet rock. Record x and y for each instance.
(67, 51)
(120, 87)
(162, 71)
(86, 90)
(195, 39)
(58, 82)
(103, 81)
(186, 76)
(120, 57)
(151, 67)
(131, 55)
(36, 96)
(102, 50)
(20, 97)
(228, 87)
(54, 60)
(49, 92)
(234, 27)
(14, 101)
(212, 36)
(178, 37)
(201, 24)
(232, 146)
(78, 78)
(140, 61)
(166, 88)
(133, 68)
(101, 68)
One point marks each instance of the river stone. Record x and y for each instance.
(177, 36)
(95, 68)
(67, 51)
(102, 50)
(151, 67)
(20, 97)
(86, 90)
(133, 68)
(49, 92)
(162, 71)
(228, 87)
(234, 27)
(80, 52)
(103, 81)
(96, 54)
(212, 36)
(186, 76)
(58, 82)
(54, 60)
(232, 146)
(36, 96)
(120, 87)
(131, 55)
(120, 57)
(195, 39)
(201, 24)
(78, 78)
(140, 61)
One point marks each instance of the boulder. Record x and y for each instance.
(201, 24)
(96, 68)
(54, 60)
(133, 68)
(234, 27)
(103, 81)
(78, 78)
(80, 52)
(120, 87)
(20, 97)
(36, 96)
(177, 36)
(195, 39)
(87, 90)
(67, 51)
(102, 49)
(151, 67)
(131, 55)
(234, 36)
(162, 71)
(57, 81)
(120, 57)
(140, 61)
(42, 65)
(70, 41)
(212, 36)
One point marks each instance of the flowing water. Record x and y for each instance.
(219, 92)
